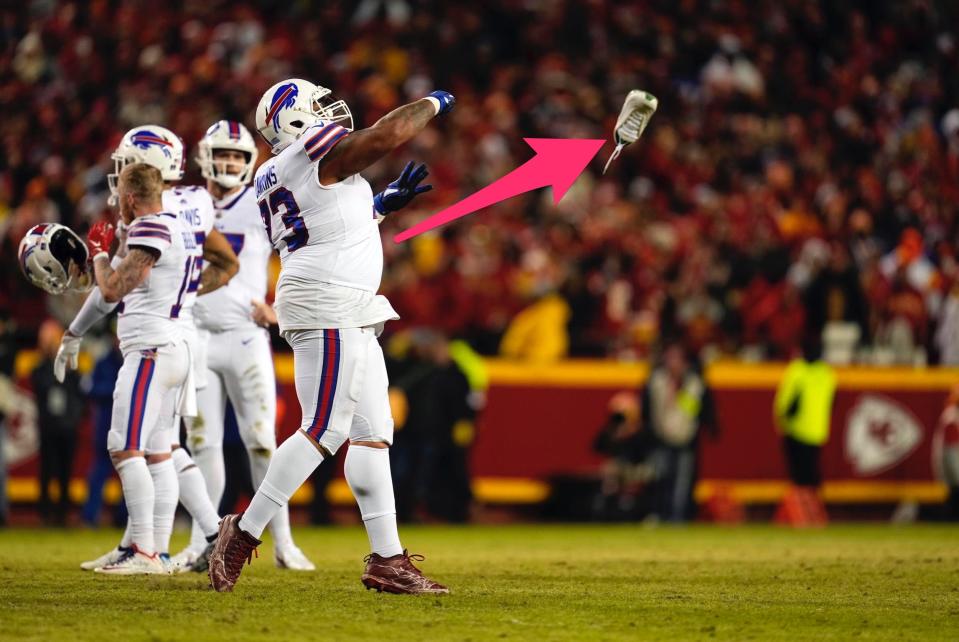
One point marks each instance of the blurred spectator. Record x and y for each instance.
(802, 410)
(430, 454)
(835, 294)
(8, 353)
(59, 411)
(945, 453)
(320, 504)
(626, 471)
(236, 460)
(538, 333)
(676, 407)
(99, 389)
(947, 334)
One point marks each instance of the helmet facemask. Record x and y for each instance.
(336, 111)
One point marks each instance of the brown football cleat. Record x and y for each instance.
(397, 574)
(233, 547)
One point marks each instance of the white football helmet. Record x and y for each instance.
(150, 144)
(290, 107)
(226, 134)
(45, 255)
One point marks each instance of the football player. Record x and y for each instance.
(321, 217)
(231, 325)
(156, 360)
(162, 149)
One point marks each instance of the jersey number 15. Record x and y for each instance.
(289, 214)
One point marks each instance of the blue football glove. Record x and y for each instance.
(446, 100)
(400, 192)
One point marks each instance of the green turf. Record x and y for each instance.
(514, 582)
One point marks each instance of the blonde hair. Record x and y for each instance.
(143, 181)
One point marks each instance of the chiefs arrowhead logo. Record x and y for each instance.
(880, 433)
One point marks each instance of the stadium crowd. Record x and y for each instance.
(802, 172)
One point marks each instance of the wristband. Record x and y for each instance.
(101, 254)
(435, 102)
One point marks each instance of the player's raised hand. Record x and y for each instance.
(444, 100)
(100, 238)
(66, 356)
(404, 189)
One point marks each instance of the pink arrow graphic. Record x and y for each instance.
(558, 162)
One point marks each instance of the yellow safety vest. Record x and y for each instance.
(804, 401)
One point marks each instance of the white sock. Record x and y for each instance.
(127, 538)
(193, 493)
(280, 524)
(210, 462)
(137, 487)
(165, 492)
(368, 474)
(292, 463)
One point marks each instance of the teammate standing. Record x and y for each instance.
(156, 360)
(160, 148)
(321, 216)
(239, 359)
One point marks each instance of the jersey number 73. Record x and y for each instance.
(289, 214)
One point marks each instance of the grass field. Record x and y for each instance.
(514, 582)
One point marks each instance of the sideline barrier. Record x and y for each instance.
(541, 419)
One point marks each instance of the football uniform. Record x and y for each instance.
(328, 310)
(156, 361)
(239, 359)
(194, 207)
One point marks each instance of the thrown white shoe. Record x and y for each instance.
(292, 558)
(134, 562)
(106, 558)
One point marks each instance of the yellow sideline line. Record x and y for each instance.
(521, 491)
(597, 373)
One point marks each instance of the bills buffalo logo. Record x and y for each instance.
(145, 139)
(24, 255)
(285, 96)
(880, 433)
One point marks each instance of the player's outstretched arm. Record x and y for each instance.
(221, 260)
(362, 148)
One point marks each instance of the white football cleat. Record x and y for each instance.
(190, 560)
(167, 563)
(638, 108)
(106, 558)
(292, 558)
(134, 562)
(184, 560)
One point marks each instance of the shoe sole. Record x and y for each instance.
(100, 571)
(374, 583)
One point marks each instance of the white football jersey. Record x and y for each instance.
(194, 207)
(327, 237)
(148, 313)
(229, 307)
